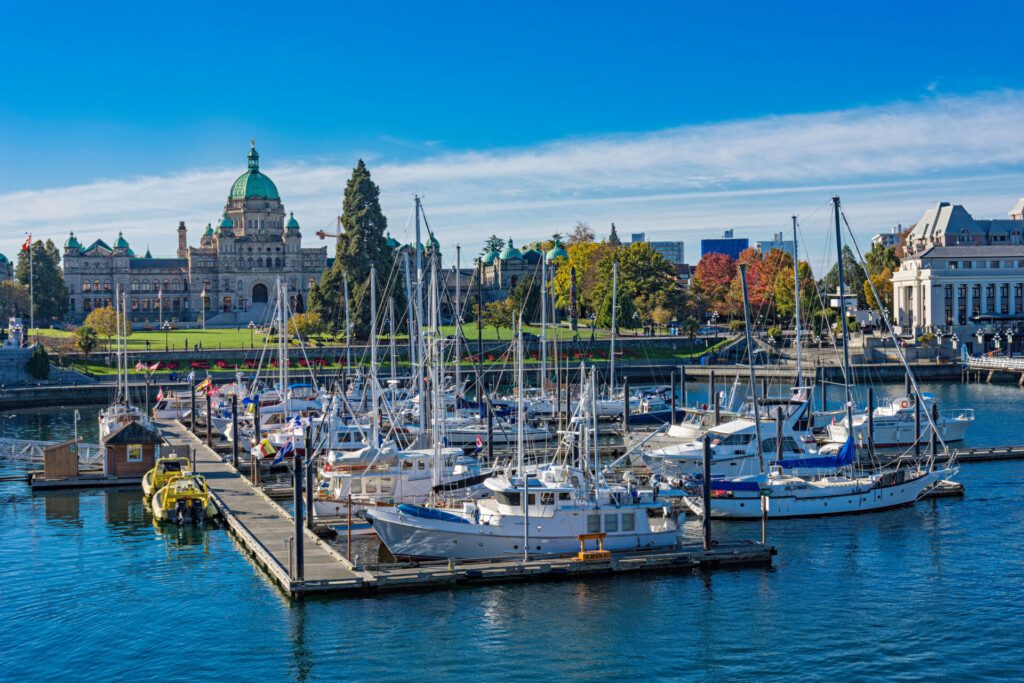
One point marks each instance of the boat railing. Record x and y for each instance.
(958, 414)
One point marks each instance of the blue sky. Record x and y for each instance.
(510, 118)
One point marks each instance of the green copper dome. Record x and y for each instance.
(252, 183)
(557, 251)
(392, 242)
(4, 259)
(510, 252)
(225, 223)
(72, 242)
(292, 224)
(121, 242)
(489, 256)
(209, 230)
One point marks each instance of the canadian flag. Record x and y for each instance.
(160, 394)
(28, 243)
(479, 442)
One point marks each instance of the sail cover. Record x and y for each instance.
(734, 485)
(846, 455)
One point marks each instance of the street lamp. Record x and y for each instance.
(166, 327)
(251, 326)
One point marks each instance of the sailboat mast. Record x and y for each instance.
(458, 319)
(796, 311)
(374, 384)
(520, 451)
(283, 340)
(543, 321)
(842, 317)
(436, 378)
(750, 366)
(409, 312)
(348, 328)
(611, 358)
(391, 340)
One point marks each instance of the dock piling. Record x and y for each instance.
(706, 493)
(252, 454)
(871, 424)
(625, 404)
(234, 431)
(308, 456)
(209, 419)
(672, 403)
(192, 400)
(297, 468)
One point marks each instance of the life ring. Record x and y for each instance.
(905, 404)
(328, 468)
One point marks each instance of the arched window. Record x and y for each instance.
(167, 285)
(107, 286)
(241, 263)
(135, 285)
(259, 263)
(250, 263)
(279, 264)
(96, 285)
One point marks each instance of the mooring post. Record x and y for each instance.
(625, 404)
(682, 386)
(672, 403)
(824, 393)
(778, 433)
(310, 454)
(871, 424)
(490, 433)
(348, 531)
(764, 387)
(254, 452)
(192, 413)
(716, 400)
(299, 508)
(906, 383)
(934, 441)
(706, 493)
(234, 431)
(712, 389)
(917, 427)
(209, 419)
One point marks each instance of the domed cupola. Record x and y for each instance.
(73, 244)
(253, 183)
(557, 251)
(489, 256)
(392, 242)
(510, 253)
(209, 230)
(120, 242)
(532, 256)
(292, 224)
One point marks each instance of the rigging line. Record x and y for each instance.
(892, 333)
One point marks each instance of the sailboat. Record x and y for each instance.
(841, 489)
(538, 512)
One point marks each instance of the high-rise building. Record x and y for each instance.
(728, 244)
(776, 242)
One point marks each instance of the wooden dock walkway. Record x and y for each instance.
(264, 527)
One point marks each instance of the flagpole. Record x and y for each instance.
(31, 289)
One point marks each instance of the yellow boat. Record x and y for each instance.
(166, 469)
(184, 499)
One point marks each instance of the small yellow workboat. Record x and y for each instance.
(185, 499)
(166, 469)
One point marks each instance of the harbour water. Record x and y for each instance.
(92, 589)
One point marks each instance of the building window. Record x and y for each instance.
(135, 452)
(87, 286)
(259, 264)
(975, 300)
(135, 286)
(1004, 298)
(961, 305)
(948, 290)
(990, 298)
(1018, 298)
(951, 265)
(991, 264)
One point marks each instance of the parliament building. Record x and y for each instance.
(228, 279)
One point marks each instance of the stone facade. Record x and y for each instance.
(963, 276)
(228, 279)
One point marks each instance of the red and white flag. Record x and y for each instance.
(28, 243)
(479, 442)
(160, 394)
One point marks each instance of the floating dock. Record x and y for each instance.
(266, 530)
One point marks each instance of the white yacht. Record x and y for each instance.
(894, 424)
(561, 505)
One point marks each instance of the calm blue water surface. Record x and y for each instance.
(91, 589)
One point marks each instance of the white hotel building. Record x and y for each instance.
(963, 276)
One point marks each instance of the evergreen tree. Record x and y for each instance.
(493, 243)
(39, 363)
(855, 277)
(50, 293)
(613, 237)
(361, 244)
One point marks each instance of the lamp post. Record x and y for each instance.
(252, 327)
(166, 327)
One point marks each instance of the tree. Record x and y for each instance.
(785, 302)
(855, 277)
(690, 327)
(39, 363)
(305, 325)
(613, 237)
(361, 244)
(14, 299)
(646, 277)
(625, 312)
(712, 279)
(497, 314)
(661, 316)
(879, 258)
(493, 243)
(49, 293)
(86, 339)
(525, 298)
(104, 322)
(584, 257)
(581, 232)
(883, 283)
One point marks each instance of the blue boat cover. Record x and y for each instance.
(844, 457)
(733, 485)
(430, 513)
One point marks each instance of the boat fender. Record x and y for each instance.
(905, 404)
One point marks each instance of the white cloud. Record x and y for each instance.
(888, 162)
